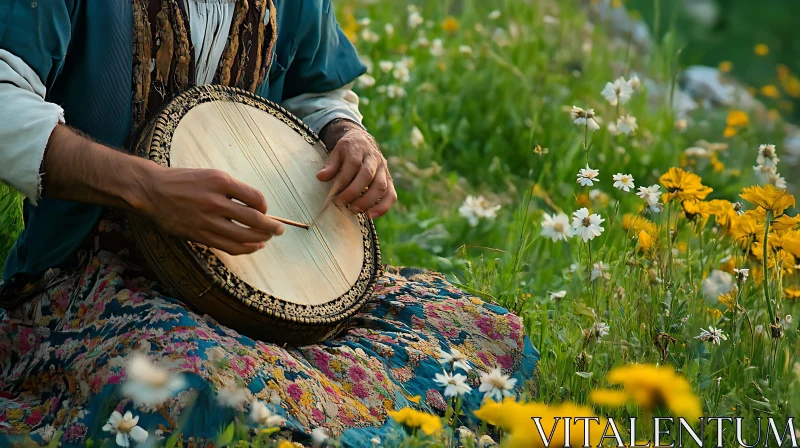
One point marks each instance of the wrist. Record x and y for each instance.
(142, 175)
(337, 128)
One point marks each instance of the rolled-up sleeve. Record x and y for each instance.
(319, 109)
(26, 122)
(324, 60)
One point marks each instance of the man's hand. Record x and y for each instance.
(194, 204)
(197, 205)
(356, 164)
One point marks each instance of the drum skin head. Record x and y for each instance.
(305, 284)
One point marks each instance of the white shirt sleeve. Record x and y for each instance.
(319, 109)
(26, 122)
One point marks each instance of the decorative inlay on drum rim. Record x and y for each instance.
(155, 143)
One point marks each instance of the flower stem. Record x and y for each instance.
(766, 269)
(586, 140)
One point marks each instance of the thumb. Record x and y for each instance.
(328, 172)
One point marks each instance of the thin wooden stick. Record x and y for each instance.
(289, 222)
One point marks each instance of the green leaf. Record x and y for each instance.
(586, 375)
(227, 436)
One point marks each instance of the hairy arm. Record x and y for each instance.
(194, 204)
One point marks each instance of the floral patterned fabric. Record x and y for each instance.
(63, 356)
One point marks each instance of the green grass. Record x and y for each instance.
(482, 114)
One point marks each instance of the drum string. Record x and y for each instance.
(330, 261)
(314, 251)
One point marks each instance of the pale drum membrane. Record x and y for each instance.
(306, 267)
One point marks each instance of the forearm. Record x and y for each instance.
(78, 169)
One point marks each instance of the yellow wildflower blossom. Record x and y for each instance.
(791, 293)
(769, 197)
(517, 420)
(450, 25)
(770, 91)
(737, 118)
(651, 386)
(761, 50)
(429, 424)
(682, 185)
(725, 66)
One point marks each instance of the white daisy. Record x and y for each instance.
(558, 295)
(233, 397)
(556, 227)
(367, 35)
(586, 225)
(584, 118)
(466, 50)
(634, 83)
(147, 384)
(458, 359)
(713, 335)
(414, 17)
(318, 437)
(600, 269)
(417, 139)
(618, 92)
(652, 196)
(623, 182)
(494, 15)
(437, 48)
(125, 427)
(261, 415)
(475, 208)
(497, 386)
(588, 176)
(600, 329)
(777, 180)
(401, 73)
(386, 66)
(767, 156)
(366, 81)
(454, 385)
(389, 29)
(741, 274)
(626, 124)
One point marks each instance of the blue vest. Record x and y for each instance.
(82, 51)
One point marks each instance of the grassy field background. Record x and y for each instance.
(462, 93)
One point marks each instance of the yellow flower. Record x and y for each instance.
(608, 397)
(683, 185)
(429, 424)
(727, 300)
(791, 293)
(450, 24)
(769, 197)
(770, 91)
(651, 386)
(747, 228)
(725, 66)
(729, 132)
(761, 50)
(638, 223)
(785, 222)
(737, 118)
(644, 241)
(516, 419)
(716, 164)
(727, 265)
(790, 242)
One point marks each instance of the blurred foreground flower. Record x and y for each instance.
(410, 418)
(519, 421)
(261, 415)
(650, 386)
(126, 429)
(148, 384)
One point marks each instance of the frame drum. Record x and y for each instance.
(304, 285)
